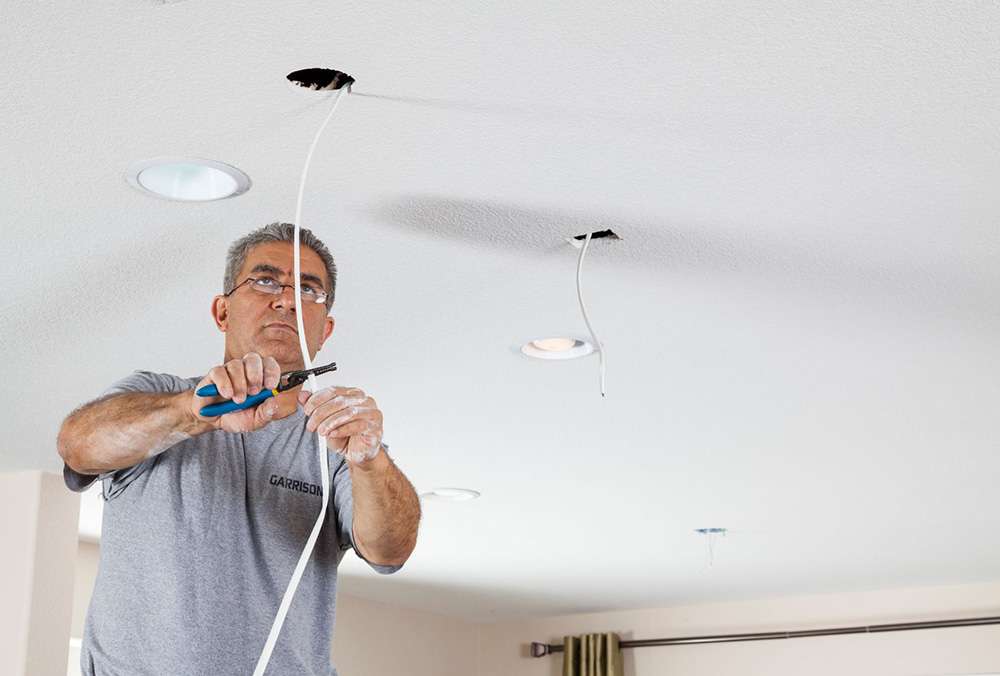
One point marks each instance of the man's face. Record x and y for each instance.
(265, 323)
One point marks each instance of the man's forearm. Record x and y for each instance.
(386, 511)
(125, 429)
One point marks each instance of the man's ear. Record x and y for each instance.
(220, 312)
(327, 330)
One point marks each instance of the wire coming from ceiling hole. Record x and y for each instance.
(293, 583)
(598, 345)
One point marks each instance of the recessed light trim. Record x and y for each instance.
(185, 179)
(557, 348)
(451, 494)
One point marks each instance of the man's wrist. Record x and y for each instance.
(377, 462)
(192, 425)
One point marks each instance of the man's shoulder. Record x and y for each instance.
(141, 380)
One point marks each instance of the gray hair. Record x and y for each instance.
(278, 232)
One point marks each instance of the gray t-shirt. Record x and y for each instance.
(198, 544)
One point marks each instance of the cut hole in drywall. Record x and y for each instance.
(321, 78)
(578, 240)
(598, 235)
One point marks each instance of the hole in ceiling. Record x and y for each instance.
(321, 78)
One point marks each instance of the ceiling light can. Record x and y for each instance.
(557, 348)
(185, 179)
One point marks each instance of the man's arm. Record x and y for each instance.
(124, 429)
(386, 511)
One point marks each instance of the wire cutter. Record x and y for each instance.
(288, 380)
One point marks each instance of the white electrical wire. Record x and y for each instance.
(293, 584)
(598, 345)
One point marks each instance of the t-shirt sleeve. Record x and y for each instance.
(115, 481)
(343, 504)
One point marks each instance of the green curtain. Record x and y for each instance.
(592, 655)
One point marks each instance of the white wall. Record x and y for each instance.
(87, 557)
(20, 498)
(38, 523)
(374, 639)
(913, 653)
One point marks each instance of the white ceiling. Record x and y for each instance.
(801, 321)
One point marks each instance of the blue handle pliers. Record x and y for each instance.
(288, 380)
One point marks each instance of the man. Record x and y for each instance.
(205, 518)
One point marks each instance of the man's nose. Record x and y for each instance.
(286, 298)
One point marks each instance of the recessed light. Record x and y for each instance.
(554, 344)
(557, 348)
(451, 494)
(187, 179)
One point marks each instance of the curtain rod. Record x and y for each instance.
(543, 649)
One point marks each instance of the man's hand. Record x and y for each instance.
(348, 418)
(386, 506)
(237, 379)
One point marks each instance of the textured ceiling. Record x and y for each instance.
(801, 319)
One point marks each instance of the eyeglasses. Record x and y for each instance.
(272, 287)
